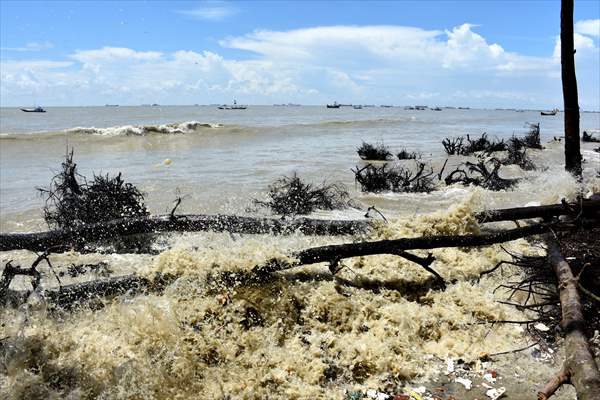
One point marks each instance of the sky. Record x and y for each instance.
(458, 53)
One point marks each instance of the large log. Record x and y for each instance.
(334, 253)
(79, 237)
(579, 367)
(331, 254)
(585, 207)
(68, 296)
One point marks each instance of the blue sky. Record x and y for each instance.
(477, 53)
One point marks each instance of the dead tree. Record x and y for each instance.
(331, 254)
(585, 208)
(579, 368)
(81, 237)
(86, 235)
(569, 86)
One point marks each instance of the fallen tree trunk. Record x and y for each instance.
(69, 296)
(79, 237)
(579, 367)
(586, 207)
(331, 254)
(334, 253)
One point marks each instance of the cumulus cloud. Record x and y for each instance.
(210, 11)
(368, 64)
(590, 27)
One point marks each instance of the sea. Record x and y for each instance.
(378, 325)
(220, 160)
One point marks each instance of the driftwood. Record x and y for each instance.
(80, 237)
(332, 254)
(579, 368)
(69, 296)
(585, 208)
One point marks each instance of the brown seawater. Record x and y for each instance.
(302, 334)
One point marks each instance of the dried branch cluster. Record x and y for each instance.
(465, 146)
(380, 152)
(377, 152)
(70, 203)
(292, 196)
(377, 179)
(484, 173)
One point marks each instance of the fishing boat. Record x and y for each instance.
(334, 105)
(234, 106)
(553, 112)
(36, 110)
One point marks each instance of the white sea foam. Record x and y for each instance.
(141, 130)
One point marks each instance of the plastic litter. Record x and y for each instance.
(465, 382)
(495, 394)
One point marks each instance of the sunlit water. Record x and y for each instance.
(222, 159)
(316, 337)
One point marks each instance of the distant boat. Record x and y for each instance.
(436, 109)
(36, 109)
(386, 106)
(334, 105)
(154, 105)
(357, 107)
(553, 112)
(111, 105)
(234, 106)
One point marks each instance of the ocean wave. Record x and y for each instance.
(141, 130)
(360, 122)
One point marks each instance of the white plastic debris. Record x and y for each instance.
(465, 382)
(374, 394)
(488, 377)
(495, 394)
(541, 327)
(449, 366)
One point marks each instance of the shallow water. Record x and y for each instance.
(304, 334)
(226, 158)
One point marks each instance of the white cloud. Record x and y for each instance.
(114, 54)
(367, 64)
(30, 46)
(211, 11)
(590, 27)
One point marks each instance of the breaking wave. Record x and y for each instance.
(141, 130)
